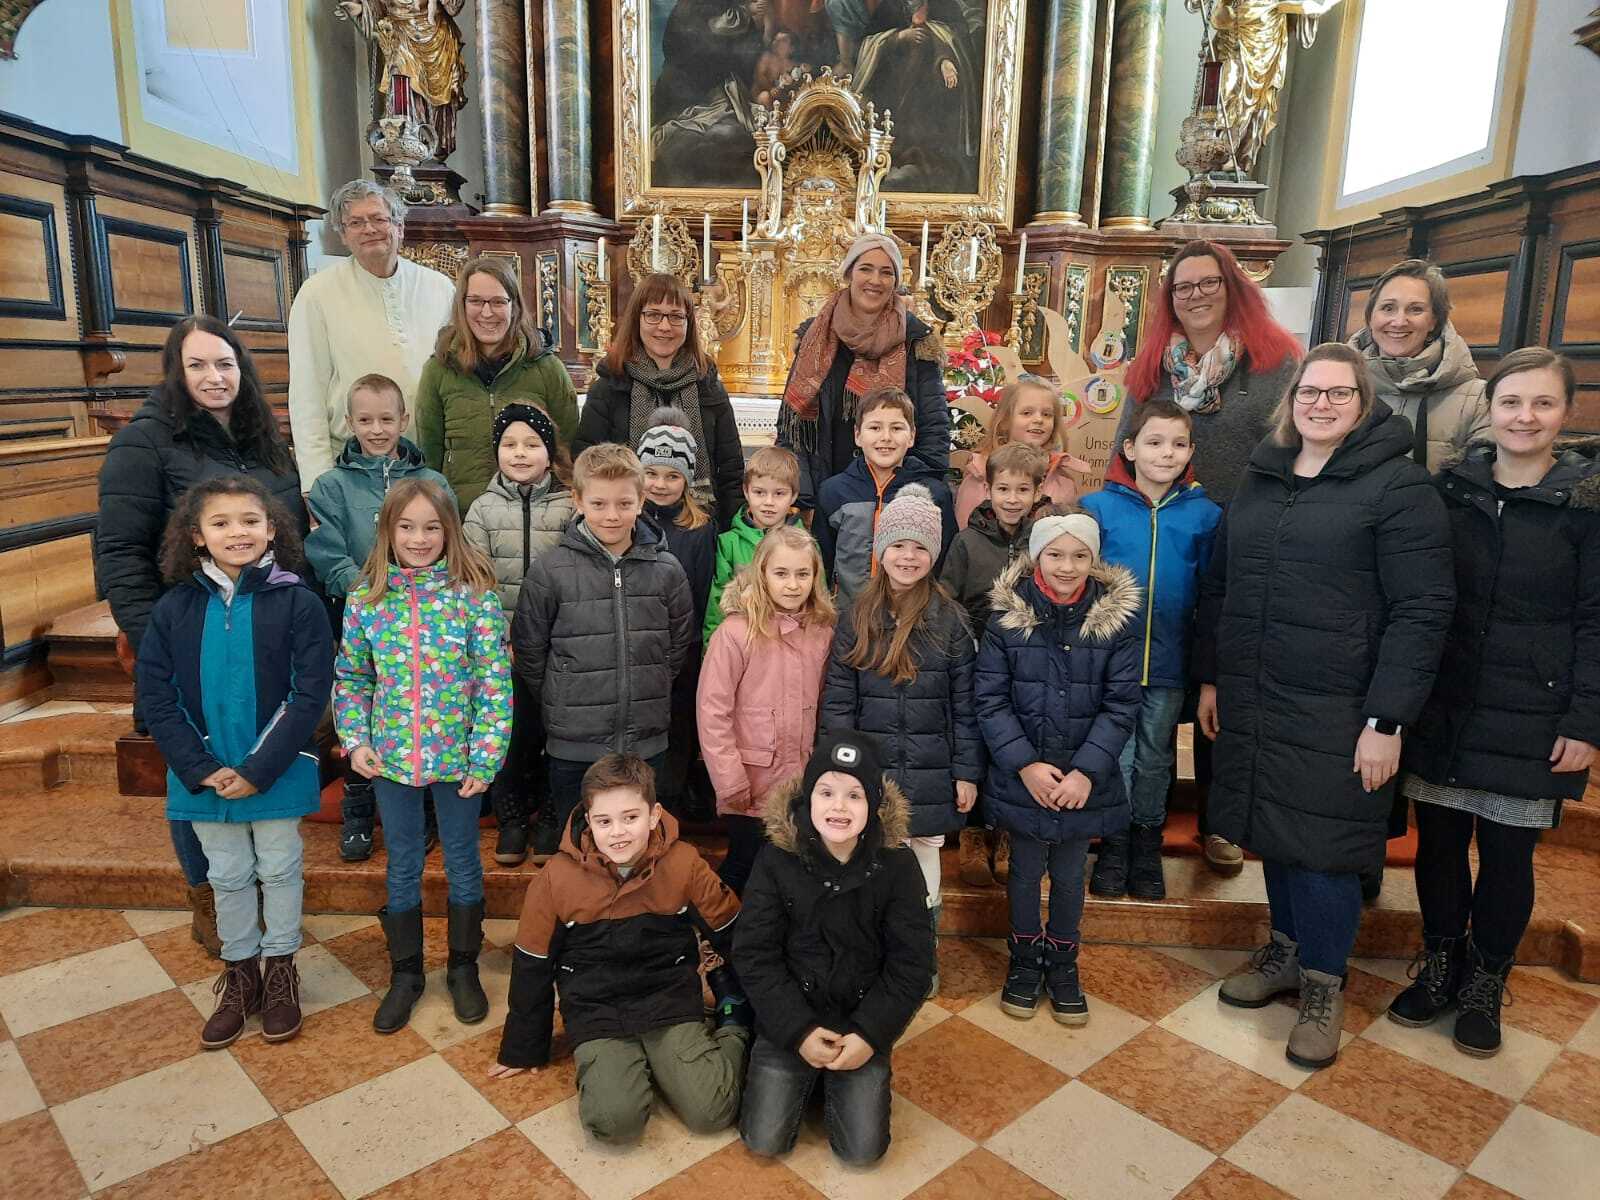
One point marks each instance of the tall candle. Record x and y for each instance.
(922, 260)
(1022, 257)
(600, 260)
(883, 215)
(705, 249)
(744, 226)
(972, 266)
(655, 243)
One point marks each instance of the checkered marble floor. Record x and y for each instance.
(104, 1091)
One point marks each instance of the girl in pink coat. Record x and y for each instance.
(1029, 412)
(760, 682)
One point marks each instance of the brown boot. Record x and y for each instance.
(203, 929)
(239, 989)
(975, 870)
(1002, 856)
(280, 1007)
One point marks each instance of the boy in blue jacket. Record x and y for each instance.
(1159, 524)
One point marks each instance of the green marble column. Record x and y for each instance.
(1131, 113)
(567, 105)
(503, 107)
(1064, 117)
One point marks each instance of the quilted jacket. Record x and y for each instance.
(513, 525)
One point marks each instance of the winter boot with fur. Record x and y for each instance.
(1274, 970)
(461, 975)
(975, 870)
(1314, 1041)
(1110, 878)
(1478, 1003)
(1436, 978)
(1067, 1002)
(404, 932)
(1145, 880)
(1025, 980)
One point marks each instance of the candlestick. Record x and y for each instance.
(705, 249)
(600, 259)
(972, 264)
(744, 226)
(655, 243)
(1022, 257)
(922, 260)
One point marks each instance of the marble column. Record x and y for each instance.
(1064, 117)
(567, 106)
(1131, 122)
(503, 109)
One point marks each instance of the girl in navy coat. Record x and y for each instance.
(1057, 693)
(233, 676)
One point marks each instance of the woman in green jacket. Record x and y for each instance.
(488, 356)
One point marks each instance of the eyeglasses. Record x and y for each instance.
(1205, 287)
(671, 319)
(1307, 396)
(362, 224)
(497, 304)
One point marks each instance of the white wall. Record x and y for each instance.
(65, 74)
(1558, 128)
(1180, 60)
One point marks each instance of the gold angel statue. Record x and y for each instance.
(415, 53)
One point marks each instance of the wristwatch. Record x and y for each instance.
(1387, 728)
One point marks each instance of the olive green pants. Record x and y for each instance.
(699, 1073)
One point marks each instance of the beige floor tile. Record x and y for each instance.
(499, 932)
(146, 921)
(1539, 1158)
(388, 1127)
(435, 1020)
(920, 1147)
(1396, 970)
(929, 1015)
(75, 987)
(1082, 1143)
(154, 1118)
(1315, 1153)
(11, 914)
(1522, 1059)
(1587, 1039)
(323, 926)
(1069, 1050)
(18, 1095)
(324, 982)
(619, 1172)
(1251, 1037)
(1215, 962)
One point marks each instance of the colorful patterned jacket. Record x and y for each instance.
(423, 676)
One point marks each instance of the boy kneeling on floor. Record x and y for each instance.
(613, 916)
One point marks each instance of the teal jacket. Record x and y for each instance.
(735, 548)
(345, 502)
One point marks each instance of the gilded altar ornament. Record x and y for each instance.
(418, 76)
(595, 323)
(963, 271)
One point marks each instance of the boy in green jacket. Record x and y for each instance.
(771, 486)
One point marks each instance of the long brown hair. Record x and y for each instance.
(457, 345)
(750, 584)
(465, 564)
(885, 623)
(181, 558)
(251, 424)
(628, 344)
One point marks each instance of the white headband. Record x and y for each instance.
(1080, 525)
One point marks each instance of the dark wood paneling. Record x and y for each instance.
(146, 272)
(1575, 321)
(257, 288)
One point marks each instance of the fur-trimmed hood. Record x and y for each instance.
(894, 815)
(1116, 605)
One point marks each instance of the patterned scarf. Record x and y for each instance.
(1197, 386)
(678, 386)
(878, 343)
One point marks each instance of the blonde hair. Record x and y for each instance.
(466, 566)
(749, 585)
(605, 462)
(380, 384)
(1000, 424)
(690, 514)
(775, 463)
(1019, 458)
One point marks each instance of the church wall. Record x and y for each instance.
(65, 40)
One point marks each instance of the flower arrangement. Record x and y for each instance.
(973, 371)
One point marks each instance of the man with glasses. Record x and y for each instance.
(375, 312)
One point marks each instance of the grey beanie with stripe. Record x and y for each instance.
(668, 443)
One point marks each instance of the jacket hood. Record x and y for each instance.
(1574, 480)
(780, 817)
(1109, 612)
(1420, 373)
(1382, 436)
(407, 454)
(1120, 471)
(258, 578)
(577, 843)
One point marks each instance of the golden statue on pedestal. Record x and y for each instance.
(415, 54)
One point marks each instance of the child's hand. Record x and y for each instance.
(1042, 780)
(854, 1051)
(364, 762)
(1205, 713)
(236, 788)
(821, 1047)
(966, 795)
(219, 779)
(501, 1071)
(1073, 791)
(471, 787)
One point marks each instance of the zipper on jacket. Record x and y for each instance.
(416, 682)
(619, 608)
(527, 530)
(1150, 587)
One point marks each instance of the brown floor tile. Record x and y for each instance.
(734, 1171)
(970, 1079)
(1224, 1181)
(57, 933)
(968, 971)
(35, 1162)
(181, 956)
(264, 1163)
(1141, 981)
(1366, 998)
(520, 1096)
(504, 1164)
(336, 1049)
(366, 952)
(982, 1174)
(1570, 1089)
(1419, 1105)
(1469, 1187)
(1545, 1007)
(94, 1052)
(1193, 1092)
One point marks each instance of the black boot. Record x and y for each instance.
(461, 975)
(1110, 878)
(1371, 885)
(1478, 1003)
(1067, 1002)
(358, 808)
(728, 995)
(404, 932)
(1145, 880)
(1436, 978)
(547, 829)
(511, 814)
(1025, 979)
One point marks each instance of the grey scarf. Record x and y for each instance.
(677, 385)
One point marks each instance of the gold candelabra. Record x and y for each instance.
(962, 273)
(1025, 312)
(597, 301)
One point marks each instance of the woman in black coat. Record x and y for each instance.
(656, 361)
(1510, 730)
(1320, 628)
(207, 418)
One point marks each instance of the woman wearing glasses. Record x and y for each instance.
(487, 356)
(656, 361)
(1321, 623)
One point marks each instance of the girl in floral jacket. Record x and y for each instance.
(422, 700)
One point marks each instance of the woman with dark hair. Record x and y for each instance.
(206, 418)
(1320, 627)
(656, 361)
(1510, 731)
(488, 356)
(1421, 366)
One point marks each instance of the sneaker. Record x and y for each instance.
(1314, 1041)
(238, 991)
(1222, 855)
(1025, 980)
(1067, 1002)
(1436, 978)
(1274, 970)
(1478, 1003)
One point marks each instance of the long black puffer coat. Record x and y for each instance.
(152, 461)
(1327, 602)
(845, 946)
(1522, 664)
(600, 643)
(928, 728)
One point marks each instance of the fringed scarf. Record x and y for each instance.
(878, 343)
(1197, 386)
(676, 386)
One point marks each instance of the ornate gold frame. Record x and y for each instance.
(994, 200)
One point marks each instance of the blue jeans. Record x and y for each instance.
(400, 808)
(1319, 911)
(191, 858)
(1146, 760)
(855, 1104)
(1029, 857)
(240, 853)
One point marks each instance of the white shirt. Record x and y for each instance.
(346, 323)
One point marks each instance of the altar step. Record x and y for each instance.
(82, 655)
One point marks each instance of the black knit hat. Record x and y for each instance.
(848, 753)
(537, 418)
